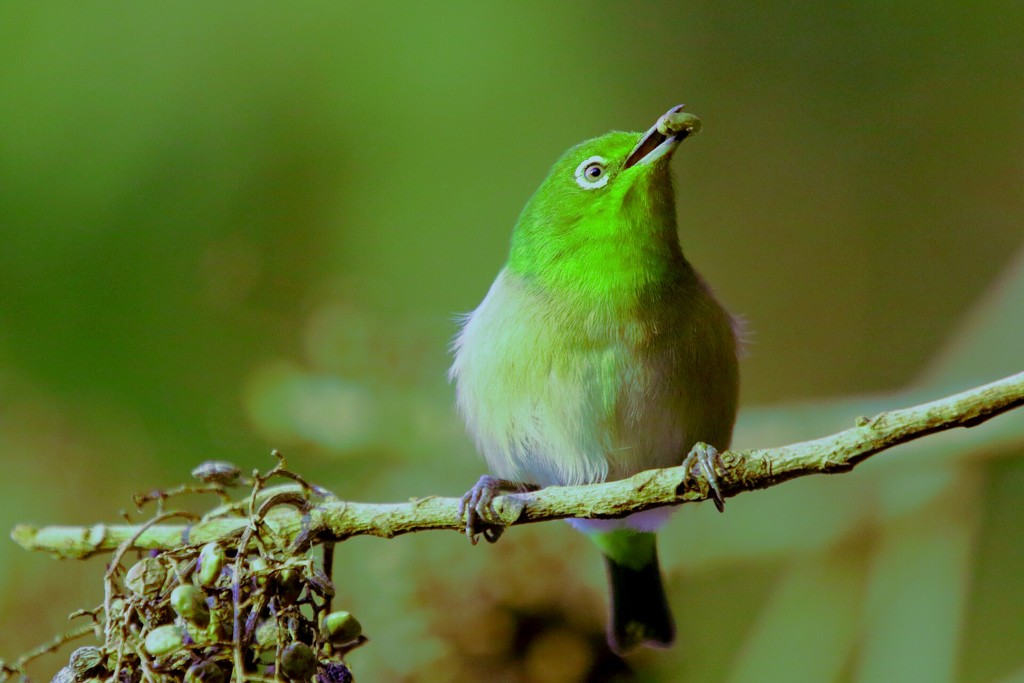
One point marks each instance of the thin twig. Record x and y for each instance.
(51, 646)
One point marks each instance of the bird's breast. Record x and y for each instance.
(556, 392)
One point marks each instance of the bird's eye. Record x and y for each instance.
(592, 173)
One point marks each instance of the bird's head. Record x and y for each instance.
(604, 202)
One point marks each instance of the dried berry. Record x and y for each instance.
(302, 630)
(217, 472)
(335, 672)
(267, 634)
(298, 662)
(204, 672)
(65, 675)
(211, 561)
(85, 661)
(188, 603)
(146, 577)
(289, 586)
(220, 622)
(163, 640)
(258, 567)
(341, 627)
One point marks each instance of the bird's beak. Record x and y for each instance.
(663, 137)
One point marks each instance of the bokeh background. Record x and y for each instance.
(231, 227)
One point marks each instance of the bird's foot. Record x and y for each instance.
(701, 460)
(478, 509)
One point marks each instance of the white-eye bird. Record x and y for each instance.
(600, 352)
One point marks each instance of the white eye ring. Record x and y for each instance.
(592, 173)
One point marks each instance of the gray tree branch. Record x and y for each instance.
(337, 520)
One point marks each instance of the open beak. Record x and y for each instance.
(663, 137)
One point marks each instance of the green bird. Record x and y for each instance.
(600, 352)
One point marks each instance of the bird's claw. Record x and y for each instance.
(701, 460)
(478, 509)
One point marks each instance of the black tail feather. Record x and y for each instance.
(638, 608)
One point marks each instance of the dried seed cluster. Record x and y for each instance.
(195, 614)
(252, 604)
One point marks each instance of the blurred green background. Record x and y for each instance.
(229, 227)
